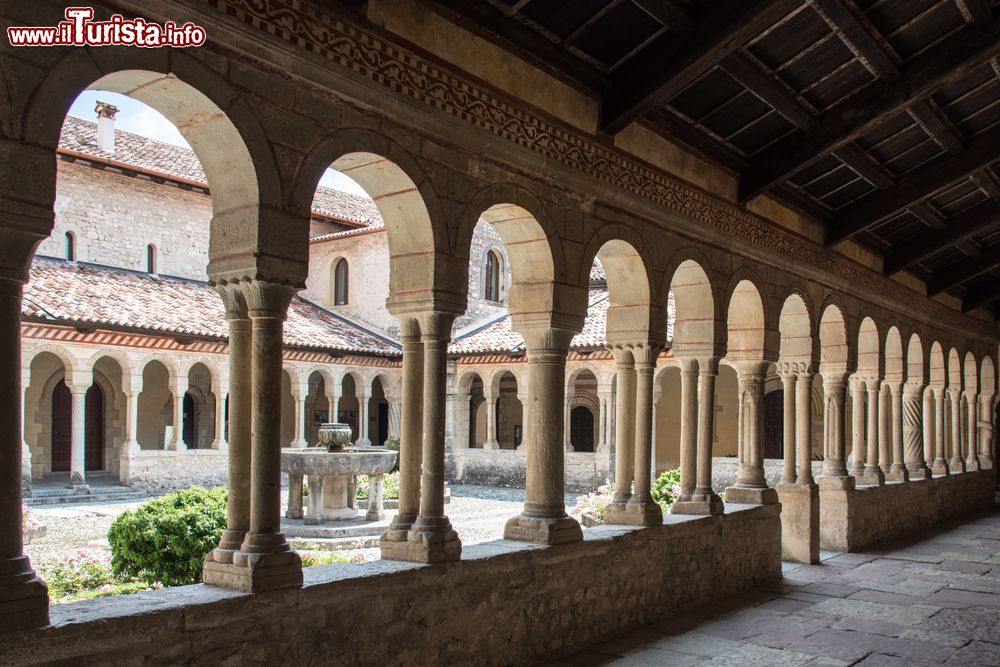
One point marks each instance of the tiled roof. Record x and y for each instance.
(499, 336)
(150, 155)
(78, 293)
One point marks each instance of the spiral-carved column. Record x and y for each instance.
(913, 432)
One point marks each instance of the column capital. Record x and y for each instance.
(913, 390)
(132, 383)
(435, 325)
(542, 336)
(267, 299)
(751, 369)
(233, 301)
(78, 382)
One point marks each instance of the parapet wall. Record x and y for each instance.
(159, 470)
(585, 471)
(854, 519)
(505, 603)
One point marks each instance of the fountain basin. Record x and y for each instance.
(332, 479)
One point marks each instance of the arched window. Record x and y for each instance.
(70, 247)
(150, 258)
(340, 278)
(492, 291)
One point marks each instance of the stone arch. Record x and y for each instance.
(466, 379)
(916, 366)
(201, 379)
(695, 321)
(938, 370)
(954, 370)
(795, 331)
(62, 354)
(634, 312)
(510, 412)
(970, 373)
(895, 368)
(835, 352)
(404, 195)
(869, 355)
(155, 401)
(745, 323)
(987, 378)
(219, 125)
(120, 358)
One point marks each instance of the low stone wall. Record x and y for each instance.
(505, 603)
(158, 470)
(854, 519)
(585, 471)
(724, 469)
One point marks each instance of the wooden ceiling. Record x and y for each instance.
(881, 118)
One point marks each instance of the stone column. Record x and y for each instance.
(431, 538)
(544, 518)
(986, 429)
(491, 421)
(689, 430)
(299, 394)
(640, 508)
(376, 492)
(625, 425)
(657, 393)
(972, 455)
(885, 430)
(25, 448)
(940, 466)
(221, 390)
(788, 381)
(333, 398)
(834, 474)
(897, 471)
(394, 543)
(857, 429)
(219, 562)
(602, 424)
(913, 431)
(265, 560)
(957, 462)
(131, 387)
(751, 486)
(178, 390)
(364, 397)
(928, 419)
(24, 598)
(803, 406)
(78, 433)
(294, 510)
(705, 500)
(873, 472)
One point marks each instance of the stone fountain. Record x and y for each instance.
(332, 468)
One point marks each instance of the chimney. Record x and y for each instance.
(106, 126)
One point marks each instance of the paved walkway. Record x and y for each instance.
(932, 600)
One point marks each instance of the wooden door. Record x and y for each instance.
(62, 425)
(94, 434)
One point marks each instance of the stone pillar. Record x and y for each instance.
(897, 471)
(544, 518)
(178, 390)
(265, 561)
(803, 421)
(689, 431)
(625, 425)
(972, 439)
(221, 390)
(24, 598)
(376, 493)
(873, 473)
(788, 382)
(364, 398)
(431, 538)
(913, 431)
(131, 387)
(295, 489)
(657, 393)
(857, 466)
(78, 433)
(986, 429)
(751, 486)
(394, 543)
(957, 462)
(885, 430)
(316, 500)
(641, 509)
(218, 563)
(705, 500)
(25, 448)
(300, 392)
(602, 424)
(928, 425)
(491, 420)
(834, 475)
(333, 398)
(940, 466)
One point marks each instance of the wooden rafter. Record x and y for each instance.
(981, 296)
(670, 13)
(854, 28)
(963, 271)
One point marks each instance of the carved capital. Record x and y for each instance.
(267, 299)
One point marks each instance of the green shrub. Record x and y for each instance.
(166, 540)
(391, 488)
(666, 488)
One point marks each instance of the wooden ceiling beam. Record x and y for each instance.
(855, 29)
(975, 10)
(936, 125)
(986, 182)
(916, 186)
(591, 20)
(865, 167)
(688, 133)
(978, 219)
(981, 296)
(873, 105)
(723, 27)
(963, 271)
(670, 13)
(767, 87)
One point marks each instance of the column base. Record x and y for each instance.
(835, 482)
(229, 544)
(491, 445)
(897, 473)
(264, 562)
(296, 444)
(429, 540)
(799, 522)
(742, 495)
(956, 465)
(542, 530)
(857, 470)
(972, 464)
(871, 476)
(373, 516)
(918, 471)
(986, 462)
(833, 468)
(703, 505)
(24, 598)
(940, 468)
(634, 513)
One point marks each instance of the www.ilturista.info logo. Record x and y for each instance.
(79, 29)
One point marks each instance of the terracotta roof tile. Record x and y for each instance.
(77, 293)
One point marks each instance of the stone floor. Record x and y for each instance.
(932, 600)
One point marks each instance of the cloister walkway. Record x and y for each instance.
(933, 599)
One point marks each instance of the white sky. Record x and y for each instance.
(138, 118)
